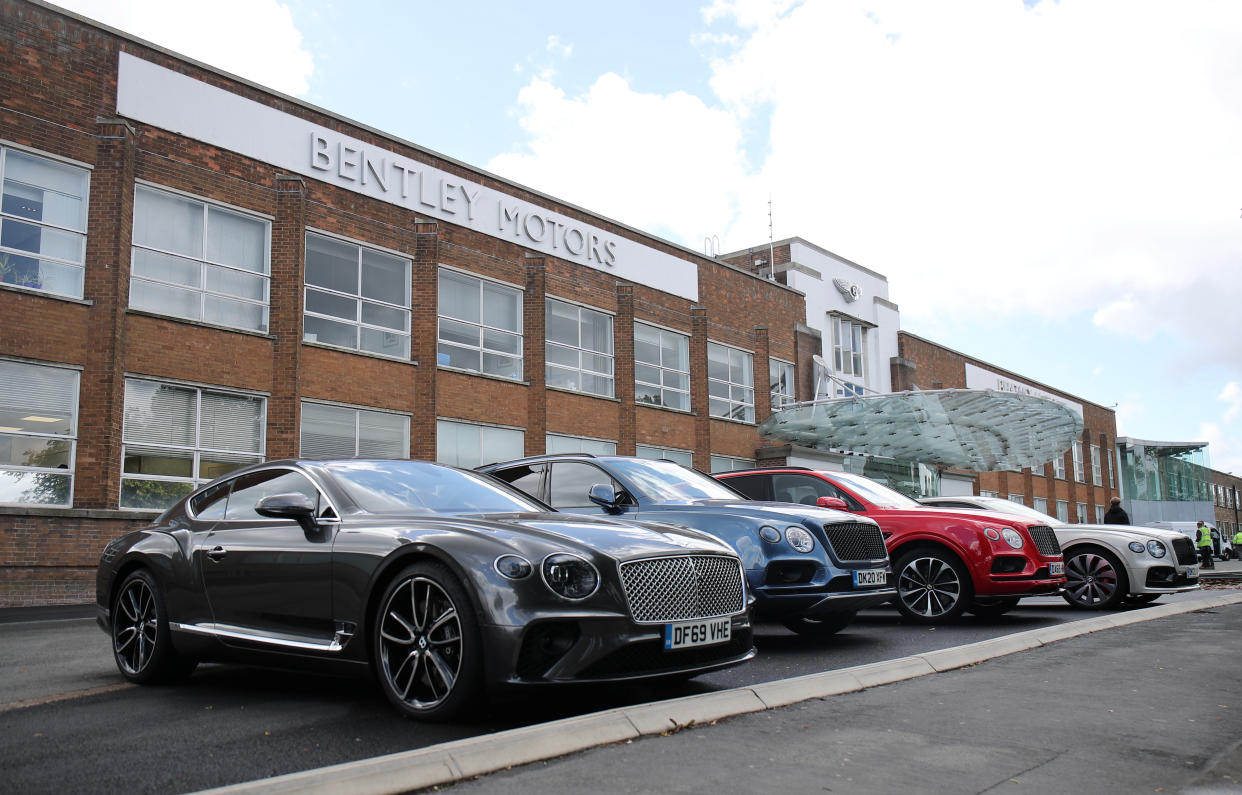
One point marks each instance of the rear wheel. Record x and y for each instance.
(820, 626)
(1094, 579)
(427, 645)
(988, 608)
(932, 585)
(141, 640)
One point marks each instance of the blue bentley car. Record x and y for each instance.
(810, 568)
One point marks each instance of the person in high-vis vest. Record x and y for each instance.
(1237, 543)
(1203, 537)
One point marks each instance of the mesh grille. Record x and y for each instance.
(683, 587)
(1185, 551)
(1045, 540)
(855, 541)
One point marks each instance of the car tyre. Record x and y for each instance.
(428, 651)
(932, 585)
(1143, 598)
(141, 641)
(820, 626)
(1094, 579)
(990, 608)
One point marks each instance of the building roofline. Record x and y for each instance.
(809, 244)
(700, 258)
(1003, 371)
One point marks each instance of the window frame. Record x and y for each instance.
(1062, 513)
(71, 437)
(779, 399)
(203, 263)
(664, 452)
(682, 339)
(734, 461)
(479, 428)
(518, 294)
(243, 458)
(359, 299)
(1079, 471)
(604, 446)
(579, 371)
(747, 368)
(80, 234)
(852, 349)
(1097, 474)
(358, 412)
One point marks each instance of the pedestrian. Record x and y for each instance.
(1237, 543)
(1116, 514)
(1203, 537)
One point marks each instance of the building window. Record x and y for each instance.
(465, 444)
(1099, 514)
(179, 437)
(556, 443)
(1078, 471)
(199, 261)
(725, 463)
(1016, 498)
(1058, 467)
(1080, 511)
(661, 367)
(42, 223)
(683, 457)
(1041, 504)
(1063, 511)
(847, 347)
(343, 432)
(356, 297)
(986, 493)
(730, 383)
(480, 326)
(579, 349)
(1112, 483)
(781, 378)
(1097, 475)
(38, 433)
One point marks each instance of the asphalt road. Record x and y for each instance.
(68, 723)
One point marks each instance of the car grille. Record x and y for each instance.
(855, 541)
(1045, 540)
(683, 587)
(1185, 551)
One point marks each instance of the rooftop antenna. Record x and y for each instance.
(711, 246)
(771, 243)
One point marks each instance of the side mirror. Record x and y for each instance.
(287, 506)
(835, 503)
(605, 496)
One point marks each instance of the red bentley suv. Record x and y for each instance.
(945, 560)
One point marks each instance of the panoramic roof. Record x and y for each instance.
(979, 429)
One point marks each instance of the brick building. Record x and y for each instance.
(197, 273)
(1225, 488)
(1076, 488)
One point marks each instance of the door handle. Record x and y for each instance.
(217, 553)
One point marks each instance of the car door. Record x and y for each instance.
(266, 577)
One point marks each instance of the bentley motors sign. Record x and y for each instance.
(170, 100)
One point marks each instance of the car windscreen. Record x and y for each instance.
(1015, 508)
(875, 493)
(667, 482)
(400, 487)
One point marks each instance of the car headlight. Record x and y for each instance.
(799, 538)
(1012, 537)
(1137, 547)
(569, 576)
(513, 567)
(1156, 549)
(770, 534)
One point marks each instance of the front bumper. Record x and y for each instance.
(1163, 579)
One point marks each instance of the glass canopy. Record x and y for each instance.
(978, 429)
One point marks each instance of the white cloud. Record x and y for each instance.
(1232, 394)
(266, 49)
(1223, 449)
(556, 47)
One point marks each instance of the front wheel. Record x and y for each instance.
(821, 626)
(932, 586)
(141, 640)
(427, 644)
(1094, 580)
(990, 608)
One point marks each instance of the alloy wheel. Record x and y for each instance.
(135, 627)
(420, 643)
(1091, 580)
(929, 587)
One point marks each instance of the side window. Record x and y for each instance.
(757, 487)
(209, 505)
(806, 489)
(249, 489)
(571, 481)
(528, 479)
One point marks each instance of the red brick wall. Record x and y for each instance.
(49, 560)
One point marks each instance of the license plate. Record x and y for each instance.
(685, 634)
(1192, 572)
(1056, 569)
(870, 577)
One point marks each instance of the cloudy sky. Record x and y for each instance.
(1052, 187)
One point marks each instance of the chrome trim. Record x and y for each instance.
(237, 633)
